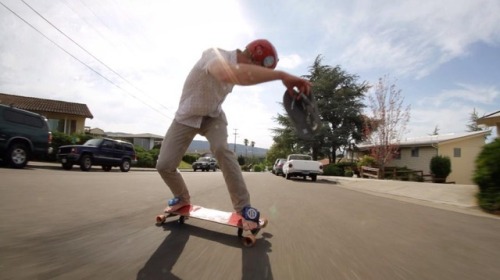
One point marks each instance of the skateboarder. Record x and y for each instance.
(211, 79)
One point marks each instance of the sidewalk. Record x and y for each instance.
(456, 197)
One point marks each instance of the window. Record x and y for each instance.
(414, 152)
(397, 154)
(457, 152)
(63, 125)
(24, 119)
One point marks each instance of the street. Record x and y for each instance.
(57, 224)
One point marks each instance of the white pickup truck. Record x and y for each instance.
(297, 165)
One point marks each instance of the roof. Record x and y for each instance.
(490, 120)
(45, 105)
(435, 139)
(129, 135)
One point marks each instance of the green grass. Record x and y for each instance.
(184, 165)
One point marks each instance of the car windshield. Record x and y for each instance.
(204, 159)
(93, 142)
(301, 157)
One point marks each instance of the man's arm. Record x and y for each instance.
(249, 74)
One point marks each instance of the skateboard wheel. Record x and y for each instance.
(264, 223)
(249, 240)
(160, 219)
(181, 220)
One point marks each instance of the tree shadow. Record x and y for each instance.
(255, 260)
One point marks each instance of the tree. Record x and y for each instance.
(436, 131)
(473, 126)
(387, 122)
(245, 141)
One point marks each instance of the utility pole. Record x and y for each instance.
(235, 133)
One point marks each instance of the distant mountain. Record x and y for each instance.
(200, 146)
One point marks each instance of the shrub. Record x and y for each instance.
(190, 158)
(367, 161)
(333, 170)
(440, 167)
(487, 176)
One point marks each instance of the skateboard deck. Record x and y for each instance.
(217, 216)
(304, 114)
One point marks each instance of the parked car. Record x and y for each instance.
(104, 152)
(205, 164)
(24, 135)
(278, 166)
(304, 166)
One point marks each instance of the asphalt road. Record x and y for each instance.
(57, 224)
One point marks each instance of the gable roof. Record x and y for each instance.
(434, 139)
(45, 105)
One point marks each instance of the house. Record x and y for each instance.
(461, 148)
(66, 117)
(492, 119)
(144, 140)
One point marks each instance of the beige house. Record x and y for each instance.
(461, 148)
(66, 117)
(145, 140)
(492, 119)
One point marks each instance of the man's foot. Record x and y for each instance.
(249, 225)
(250, 218)
(175, 204)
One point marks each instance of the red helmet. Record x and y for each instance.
(263, 52)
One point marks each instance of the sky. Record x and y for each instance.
(127, 60)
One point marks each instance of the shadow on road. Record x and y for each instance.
(255, 261)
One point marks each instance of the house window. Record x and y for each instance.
(457, 152)
(397, 154)
(72, 126)
(62, 125)
(414, 152)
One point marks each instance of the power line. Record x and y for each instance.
(77, 59)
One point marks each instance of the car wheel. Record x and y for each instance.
(18, 156)
(85, 163)
(67, 166)
(125, 166)
(194, 169)
(314, 177)
(287, 176)
(107, 168)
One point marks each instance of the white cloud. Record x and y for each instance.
(465, 93)
(411, 37)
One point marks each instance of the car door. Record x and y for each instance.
(106, 152)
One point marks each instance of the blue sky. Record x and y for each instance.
(127, 60)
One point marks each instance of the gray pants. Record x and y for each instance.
(174, 145)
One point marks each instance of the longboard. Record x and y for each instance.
(212, 215)
(304, 114)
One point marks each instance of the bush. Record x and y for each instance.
(367, 161)
(440, 167)
(333, 170)
(487, 177)
(190, 158)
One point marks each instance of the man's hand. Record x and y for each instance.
(292, 82)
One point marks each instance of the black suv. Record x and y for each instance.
(104, 152)
(205, 164)
(24, 135)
